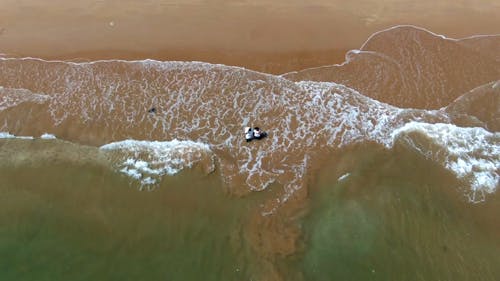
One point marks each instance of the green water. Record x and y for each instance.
(64, 221)
(397, 217)
(66, 215)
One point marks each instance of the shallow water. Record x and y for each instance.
(396, 217)
(64, 219)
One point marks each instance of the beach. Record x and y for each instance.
(275, 37)
(123, 154)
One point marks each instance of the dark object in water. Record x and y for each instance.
(262, 135)
(258, 134)
(255, 133)
(152, 110)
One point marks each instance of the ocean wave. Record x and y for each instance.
(472, 154)
(148, 161)
(208, 104)
(104, 101)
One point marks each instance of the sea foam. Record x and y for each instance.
(148, 161)
(472, 154)
(47, 136)
(11, 97)
(6, 135)
(208, 104)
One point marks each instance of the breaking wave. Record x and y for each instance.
(188, 113)
(148, 161)
(472, 154)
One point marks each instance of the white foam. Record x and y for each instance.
(211, 104)
(11, 97)
(47, 136)
(472, 154)
(132, 173)
(6, 135)
(148, 161)
(343, 177)
(148, 181)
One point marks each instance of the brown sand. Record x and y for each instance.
(273, 36)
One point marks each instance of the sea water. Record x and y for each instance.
(383, 168)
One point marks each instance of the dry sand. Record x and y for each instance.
(273, 36)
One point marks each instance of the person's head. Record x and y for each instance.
(256, 128)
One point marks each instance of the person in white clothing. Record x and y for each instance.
(248, 134)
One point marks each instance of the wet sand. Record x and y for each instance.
(277, 36)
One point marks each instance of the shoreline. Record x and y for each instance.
(267, 62)
(276, 37)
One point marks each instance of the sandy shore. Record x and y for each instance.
(276, 37)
